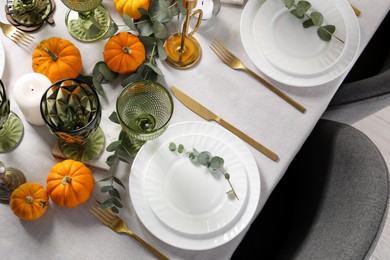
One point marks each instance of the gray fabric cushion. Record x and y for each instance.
(331, 203)
(370, 75)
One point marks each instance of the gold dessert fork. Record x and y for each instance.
(235, 63)
(113, 221)
(16, 35)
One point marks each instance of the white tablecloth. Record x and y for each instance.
(75, 233)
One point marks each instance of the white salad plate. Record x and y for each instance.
(285, 51)
(2, 59)
(182, 203)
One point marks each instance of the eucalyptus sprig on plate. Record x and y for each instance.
(301, 10)
(213, 163)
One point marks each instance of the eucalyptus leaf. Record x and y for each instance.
(215, 163)
(106, 189)
(289, 3)
(117, 203)
(317, 18)
(160, 11)
(108, 74)
(114, 118)
(145, 28)
(111, 160)
(204, 158)
(130, 79)
(97, 85)
(113, 146)
(92, 31)
(143, 11)
(325, 32)
(308, 23)
(182, 9)
(129, 22)
(107, 204)
(162, 54)
(297, 14)
(303, 7)
(114, 193)
(118, 181)
(160, 30)
(154, 68)
(172, 147)
(112, 30)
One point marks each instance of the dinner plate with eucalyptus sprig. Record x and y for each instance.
(300, 43)
(195, 187)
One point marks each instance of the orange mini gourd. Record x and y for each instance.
(70, 183)
(29, 201)
(124, 53)
(57, 58)
(130, 7)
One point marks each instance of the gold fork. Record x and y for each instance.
(16, 35)
(113, 221)
(235, 63)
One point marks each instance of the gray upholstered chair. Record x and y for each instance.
(331, 203)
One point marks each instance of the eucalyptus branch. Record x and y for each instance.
(213, 163)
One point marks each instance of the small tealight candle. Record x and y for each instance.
(28, 91)
(207, 7)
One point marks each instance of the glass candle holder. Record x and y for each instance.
(144, 109)
(71, 110)
(11, 127)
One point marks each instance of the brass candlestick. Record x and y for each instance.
(183, 50)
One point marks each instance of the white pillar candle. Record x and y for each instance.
(207, 7)
(28, 91)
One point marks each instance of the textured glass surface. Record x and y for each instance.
(144, 109)
(4, 105)
(82, 5)
(71, 110)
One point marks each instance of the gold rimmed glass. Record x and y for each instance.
(144, 109)
(87, 20)
(11, 127)
(72, 111)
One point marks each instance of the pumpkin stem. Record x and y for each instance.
(52, 55)
(127, 49)
(29, 199)
(66, 179)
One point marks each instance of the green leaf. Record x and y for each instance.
(117, 203)
(308, 23)
(325, 32)
(97, 85)
(114, 209)
(160, 30)
(114, 193)
(204, 158)
(107, 203)
(289, 3)
(112, 160)
(180, 149)
(106, 72)
(215, 163)
(172, 147)
(296, 14)
(154, 68)
(145, 28)
(113, 146)
(317, 18)
(130, 79)
(162, 54)
(112, 30)
(106, 188)
(106, 178)
(129, 22)
(114, 117)
(303, 7)
(161, 11)
(143, 11)
(118, 181)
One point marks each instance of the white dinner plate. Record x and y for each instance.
(282, 49)
(2, 59)
(186, 196)
(237, 156)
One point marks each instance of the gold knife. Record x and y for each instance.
(208, 115)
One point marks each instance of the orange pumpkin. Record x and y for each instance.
(29, 201)
(57, 59)
(130, 7)
(70, 183)
(124, 53)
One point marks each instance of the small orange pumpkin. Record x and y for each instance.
(29, 201)
(130, 7)
(57, 58)
(124, 53)
(70, 183)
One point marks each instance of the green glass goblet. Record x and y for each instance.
(87, 20)
(144, 109)
(11, 127)
(72, 111)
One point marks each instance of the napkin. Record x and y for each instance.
(237, 2)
